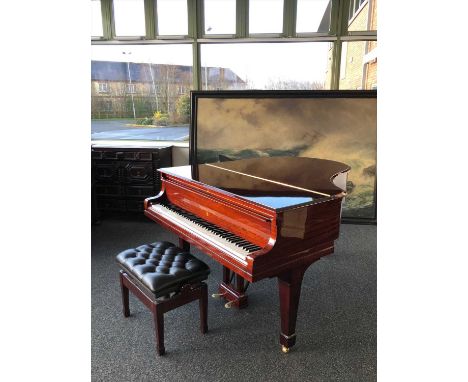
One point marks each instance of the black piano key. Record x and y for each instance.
(250, 246)
(216, 230)
(245, 247)
(230, 235)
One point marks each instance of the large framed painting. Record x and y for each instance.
(335, 125)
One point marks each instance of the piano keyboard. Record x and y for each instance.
(227, 240)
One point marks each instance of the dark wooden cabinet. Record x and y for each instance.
(122, 177)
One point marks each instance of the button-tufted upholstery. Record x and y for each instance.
(162, 267)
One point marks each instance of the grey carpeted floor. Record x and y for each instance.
(336, 326)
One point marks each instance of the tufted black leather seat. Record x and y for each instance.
(162, 267)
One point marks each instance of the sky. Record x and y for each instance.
(256, 63)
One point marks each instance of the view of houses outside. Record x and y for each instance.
(358, 69)
(149, 91)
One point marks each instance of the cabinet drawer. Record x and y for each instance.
(141, 191)
(96, 154)
(150, 156)
(108, 190)
(139, 155)
(125, 155)
(111, 204)
(139, 172)
(106, 171)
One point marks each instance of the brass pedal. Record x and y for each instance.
(229, 304)
(218, 295)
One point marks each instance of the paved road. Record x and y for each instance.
(119, 129)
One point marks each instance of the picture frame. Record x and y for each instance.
(339, 125)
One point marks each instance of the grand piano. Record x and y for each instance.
(259, 218)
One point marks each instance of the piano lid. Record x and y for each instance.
(274, 182)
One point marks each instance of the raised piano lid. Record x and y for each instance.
(277, 183)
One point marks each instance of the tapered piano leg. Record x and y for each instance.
(289, 285)
(184, 245)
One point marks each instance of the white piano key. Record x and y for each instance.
(200, 230)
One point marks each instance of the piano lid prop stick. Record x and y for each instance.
(271, 181)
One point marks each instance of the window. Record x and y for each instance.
(359, 59)
(270, 66)
(313, 16)
(96, 19)
(220, 17)
(265, 16)
(362, 15)
(129, 16)
(103, 87)
(344, 55)
(172, 17)
(144, 63)
(354, 7)
(146, 80)
(106, 106)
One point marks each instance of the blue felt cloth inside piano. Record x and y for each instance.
(279, 201)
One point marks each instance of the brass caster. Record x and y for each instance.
(285, 349)
(217, 295)
(229, 304)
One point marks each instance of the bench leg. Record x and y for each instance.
(125, 303)
(203, 308)
(158, 317)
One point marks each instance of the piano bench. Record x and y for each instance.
(163, 277)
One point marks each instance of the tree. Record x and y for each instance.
(183, 108)
(294, 85)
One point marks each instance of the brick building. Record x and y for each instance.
(358, 69)
(127, 89)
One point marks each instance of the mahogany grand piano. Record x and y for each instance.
(259, 218)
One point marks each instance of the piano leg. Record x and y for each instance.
(289, 285)
(234, 294)
(184, 245)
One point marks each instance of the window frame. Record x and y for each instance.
(130, 88)
(337, 34)
(101, 86)
(124, 37)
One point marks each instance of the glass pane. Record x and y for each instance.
(129, 17)
(313, 16)
(270, 66)
(359, 65)
(141, 92)
(265, 16)
(96, 19)
(362, 15)
(172, 17)
(220, 16)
